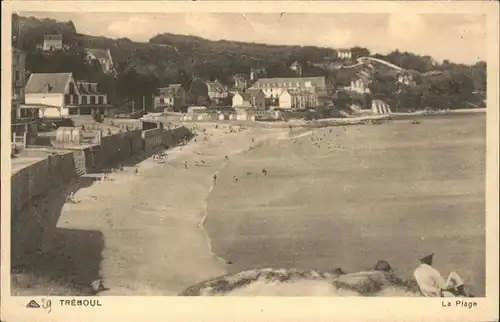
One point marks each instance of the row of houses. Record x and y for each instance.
(264, 94)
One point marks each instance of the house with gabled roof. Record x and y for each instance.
(52, 42)
(170, 98)
(59, 95)
(217, 92)
(253, 98)
(103, 57)
(298, 99)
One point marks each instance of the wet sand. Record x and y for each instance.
(389, 191)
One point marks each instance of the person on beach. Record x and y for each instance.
(235, 178)
(432, 284)
(215, 178)
(264, 172)
(253, 140)
(185, 164)
(71, 198)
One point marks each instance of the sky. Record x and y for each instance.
(460, 38)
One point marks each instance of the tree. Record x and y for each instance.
(342, 100)
(198, 92)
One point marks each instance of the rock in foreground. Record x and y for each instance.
(291, 282)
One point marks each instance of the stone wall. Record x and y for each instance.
(152, 139)
(57, 170)
(34, 180)
(112, 150)
(28, 184)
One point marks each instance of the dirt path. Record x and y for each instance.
(152, 221)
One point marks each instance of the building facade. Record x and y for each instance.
(359, 86)
(344, 54)
(274, 87)
(171, 98)
(18, 75)
(52, 42)
(298, 99)
(58, 95)
(102, 57)
(256, 73)
(241, 82)
(406, 79)
(253, 98)
(296, 67)
(217, 93)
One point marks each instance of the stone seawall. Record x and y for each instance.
(57, 171)
(28, 184)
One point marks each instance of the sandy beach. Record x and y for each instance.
(152, 221)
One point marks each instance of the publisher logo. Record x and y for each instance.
(33, 305)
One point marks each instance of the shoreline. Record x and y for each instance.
(151, 220)
(365, 119)
(285, 136)
(201, 224)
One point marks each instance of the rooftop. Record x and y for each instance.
(48, 83)
(98, 53)
(301, 81)
(53, 37)
(170, 90)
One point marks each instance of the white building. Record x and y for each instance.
(217, 92)
(171, 97)
(359, 86)
(273, 87)
(298, 99)
(56, 95)
(52, 42)
(102, 57)
(344, 54)
(252, 97)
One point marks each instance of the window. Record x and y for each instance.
(71, 88)
(92, 100)
(85, 99)
(17, 76)
(162, 100)
(67, 99)
(101, 99)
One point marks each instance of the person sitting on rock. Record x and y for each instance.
(432, 284)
